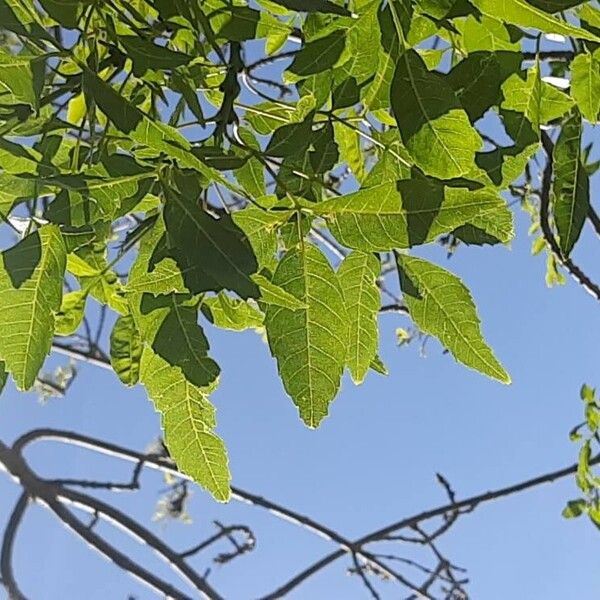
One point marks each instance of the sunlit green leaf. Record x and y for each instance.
(358, 274)
(433, 125)
(126, 350)
(585, 84)
(524, 14)
(309, 344)
(442, 306)
(30, 295)
(411, 212)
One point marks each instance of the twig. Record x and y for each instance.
(6, 554)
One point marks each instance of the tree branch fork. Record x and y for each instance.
(368, 562)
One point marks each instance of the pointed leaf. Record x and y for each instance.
(358, 275)
(188, 420)
(523, 14)
(442, 306)
(412, 212)
(585, 84)
(433, 125)
(31, 281)
(126, 350)
(571, 189)
(309, 344)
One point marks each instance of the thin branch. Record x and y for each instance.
(567, 55)
(360, 571)
(594, 220)
(8, 579)
(53, 496)
(83, 355)
(382, 533)
(223, 532)
(281, 512)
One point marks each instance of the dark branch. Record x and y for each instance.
(8, 579)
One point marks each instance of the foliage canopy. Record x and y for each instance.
(271, 164)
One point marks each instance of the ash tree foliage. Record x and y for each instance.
(276, 165)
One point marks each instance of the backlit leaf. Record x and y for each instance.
(126, 350)
(585, 84)
(442, 306)
(433, 125)
(30, 295)
(358, 274)
(309, 344)
(524, 14)
(411, 212)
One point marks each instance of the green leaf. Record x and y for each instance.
(260, 227)
(412, 212)
(582, 477)
(314, 6)
(587, 393)
(154, 271)
(523, 14)
(140, 127)
(16, 80)
(16, 159)
(358, 275)
(275, 295)
(484, 33)
(504, 165)
(126, 350)
(31, 275)
(103, 285)
(309, 344)
(188, 420)
(70, 315)
(571, 188)
(433, 125)
(65, 12)
(348, 141)
(585, 84)
(574, 508)
(147, 55)
(178, 376)
(442, 306)
(238, 24)
(478, 78)
(251, 175)
(290, 139)
(319, 55)
(212, 254)
(13, 189)
(229, 313)
(169, 324)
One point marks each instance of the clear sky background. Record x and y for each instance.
(371, 462)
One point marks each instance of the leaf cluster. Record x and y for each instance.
(269, 165)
